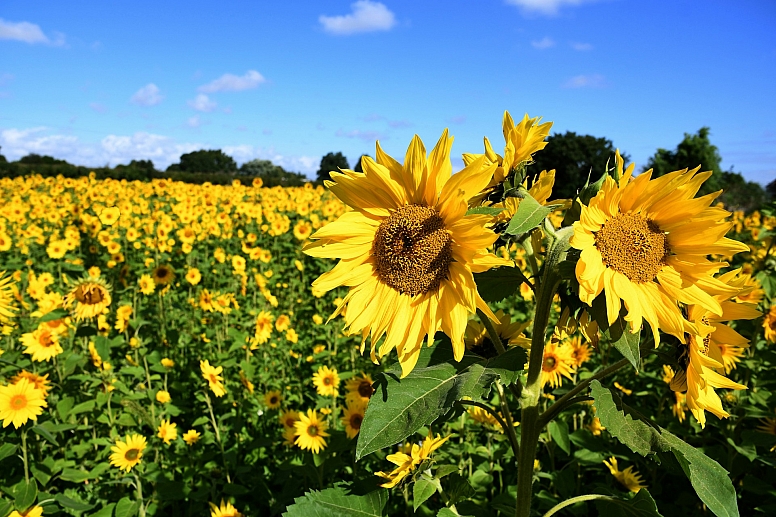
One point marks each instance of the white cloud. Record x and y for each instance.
(307, 165)
(586, 81)
(366, 16)
(148, 95)
(581, 47)
(543, 43)
(367, 136)
(545, 7)
(202, 103)
(233, 83)
(28, 33)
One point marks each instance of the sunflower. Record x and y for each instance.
(146, 284)
(128, 453)
(359, 388)
(326, 381)
(477, 340)
(163, 396)
(41, 344)
(282, 323)
(769, 325)
(352, 418)
(108, 216)
(225, 510)
(163, 274)
(20, 402)
(6, 298)
(90, 296)
(629, 478)
(644, 241)
(41, 382)
(407, 460)
(288, 418)
(408, 249)
(167, 362)
(213, 376)
(580, 352)
(557, 362)
(679, 407)
(310, 431)
(167, 431)
(191, 437)
(193, 276)
(272, 399)
(35, 511)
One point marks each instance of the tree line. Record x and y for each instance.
(575, 158)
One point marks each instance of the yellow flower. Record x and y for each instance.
(191, 437)
(108, 216)
(580, 352)
(163, 397)
(128, 453)
(35, 511)
(20, 402)
(163, 274)
(406, 463)
(146, 284)
(769, 325)
(352, 418)
(41, 344)
(288, 418)
(167, 431)
(167, 363)
(326, 381)
(225, 510)
(273, 399)
(595, 426)
(193, 276)
(408, 249)
(310, 432)
(359, 389)
(213, 376)
(90, 296)
(629, 478)
(6, 298)
(557, 363)
(41, 382)
(282, 323)
(477, 340)
(644, 242)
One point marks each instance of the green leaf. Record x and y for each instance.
(105, 511)
(641, 505)
(24, 494)
(53, 315)
(559, 430)
(496, 284)
(64, 406)
(618, 332)
(708, 478)
(423, 489)
(83, 407)
(74, 475)
(5, 507)
(67, 502)
(508, 365)
(337, 502)
(484, 210)
(6, 450)
(126, 508)
(39, 429)
(200, 421)
(444, 470)
(530, 214)
(400, 407)
(458, 489)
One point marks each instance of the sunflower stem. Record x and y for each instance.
(218, 436)
(24, 456)
(139, 487)
(529, 400)
(509, 428)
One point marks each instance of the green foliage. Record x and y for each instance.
(272, 175)
(337, 502)
(529, 215)
(331, 162)
(207, 161)
(640, 505)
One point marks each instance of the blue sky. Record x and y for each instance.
(99, 82)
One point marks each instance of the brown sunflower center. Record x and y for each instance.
(412, 250)
(273, 400)
(312, 430)
(18, 401)
(46, 340)
(365, 389)
(355, 420)
(89, 294)
(634, 246)
(549, 363)
(131, 454)
(327, 381)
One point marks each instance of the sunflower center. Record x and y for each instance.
(131, 454)
(327, 381)
(634, 246)
(273, 400)
(312, 430)
(46, 340)
(18, 402)
(549, 363)
(365, 389)
(412, 250)
(89, 295)
(355, 420)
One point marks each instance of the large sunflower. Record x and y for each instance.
(90, 296)
(644, 242)
(408, 249)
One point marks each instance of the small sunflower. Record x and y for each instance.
(91, 297)
(288, 418)
(193, 276)
(146, 284)
(477, 340)
(128, 453)
(224, 510)
(352, 418)
(213, 376)
(20, 402)
(272, 399)
(359, 388)
(326, 381)
(42, 344)
(35, 511)
(580, 352)
(167, 431)
(163, 274)
(41, 382)
(769, 325)
(310, 432)
(191, 437)
(629, 478)
(557, 363)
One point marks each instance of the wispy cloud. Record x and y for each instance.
(202, 103)
(27, 32)
(543, 43)
(399, 124)
(233, 83)
(98, 107)
(194, 122)
(367, 136)
(586, 81)
(148, 95)
(307, 165)
(581, 47)
(366, 16)
(545, 7)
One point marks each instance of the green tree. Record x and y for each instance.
(575, 158)
(2, 158)
(771, 190)
(331, 162)
(740, 194)
(207, 161)
(357, 166)
(692, 151)
(272, 175)
(36, 159)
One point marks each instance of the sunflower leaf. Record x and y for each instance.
(496, 284)
(484, 210)
(640, 505)
(530, 214)
(400, 407)
(336, 502)
(708, 478)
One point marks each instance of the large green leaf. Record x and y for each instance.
(337, 502)
(640, 505)
(530, 214)
(6, 450)
(126, 508)
(399, 407)
(708, 478)
(24, 494)
(618, 333)
(422, 489)
(496, 284)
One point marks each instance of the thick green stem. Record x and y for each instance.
(139, 487)
(529, 400)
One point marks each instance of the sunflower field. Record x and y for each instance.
(480, 348)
